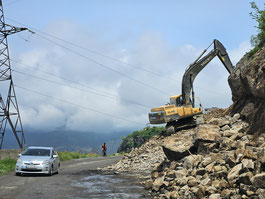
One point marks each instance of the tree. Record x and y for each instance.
(257, 41)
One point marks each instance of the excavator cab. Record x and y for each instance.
(176, 100)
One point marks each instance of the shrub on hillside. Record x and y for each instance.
(257, 41)
(138, 138)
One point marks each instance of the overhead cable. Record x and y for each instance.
(95, 52)
(104, 95)
(74, 82)
(78, 105)
(106, 56)
(102, 65)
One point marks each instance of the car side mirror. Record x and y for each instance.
(55, 156)
(19, 155)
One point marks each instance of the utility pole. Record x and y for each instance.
(9, 112)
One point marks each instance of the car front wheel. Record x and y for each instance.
(50, 171)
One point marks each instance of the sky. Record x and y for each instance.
(122, 58)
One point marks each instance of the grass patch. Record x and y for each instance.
(7, 165)
(65, 155)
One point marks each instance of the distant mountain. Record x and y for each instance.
(68, 140)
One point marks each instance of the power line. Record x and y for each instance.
(102, 65)
(100, 54)
(82, 85)
(68, 80)
(84, 107)
(95, 52)
(104, 95)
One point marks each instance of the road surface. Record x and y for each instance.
(76, 179)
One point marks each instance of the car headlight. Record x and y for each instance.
(19, 161)
(46, 162)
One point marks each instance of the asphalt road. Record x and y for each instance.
(76, 179)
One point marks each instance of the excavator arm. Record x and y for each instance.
(196, 67)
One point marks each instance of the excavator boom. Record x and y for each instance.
(195, 68)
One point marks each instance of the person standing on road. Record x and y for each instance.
(104, 149)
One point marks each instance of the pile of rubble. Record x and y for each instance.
(215, 160)
(141, 159)
(215, 113)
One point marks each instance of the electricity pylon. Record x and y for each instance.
(9, 112)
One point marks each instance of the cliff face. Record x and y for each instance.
(247, 83)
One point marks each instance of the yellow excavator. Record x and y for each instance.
(180, 111)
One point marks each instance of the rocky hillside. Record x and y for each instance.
(223, 158)
(247, 83)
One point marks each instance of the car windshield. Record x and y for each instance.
(37, 152)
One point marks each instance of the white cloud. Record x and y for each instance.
(237, 54)
(149, 51)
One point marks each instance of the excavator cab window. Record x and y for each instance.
(177, 101)
(173, 101)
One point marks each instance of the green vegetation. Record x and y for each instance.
(138, 138)
(7, 165)
(257, 41)
(65, 155)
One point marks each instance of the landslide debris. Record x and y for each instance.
(227, 163)
(141, 159)
(218, 159)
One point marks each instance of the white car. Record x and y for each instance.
(41, 160)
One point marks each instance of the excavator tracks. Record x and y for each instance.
(186, 123)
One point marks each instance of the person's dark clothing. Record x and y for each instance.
(104, 149)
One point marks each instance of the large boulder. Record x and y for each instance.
(208, 133)
(178, 145)
(247, 82)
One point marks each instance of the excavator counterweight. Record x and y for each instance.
(181, 111)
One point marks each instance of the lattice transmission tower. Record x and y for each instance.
(9, 112)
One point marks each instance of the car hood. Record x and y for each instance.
(36, 159)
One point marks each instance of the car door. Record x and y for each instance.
(54, 163)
